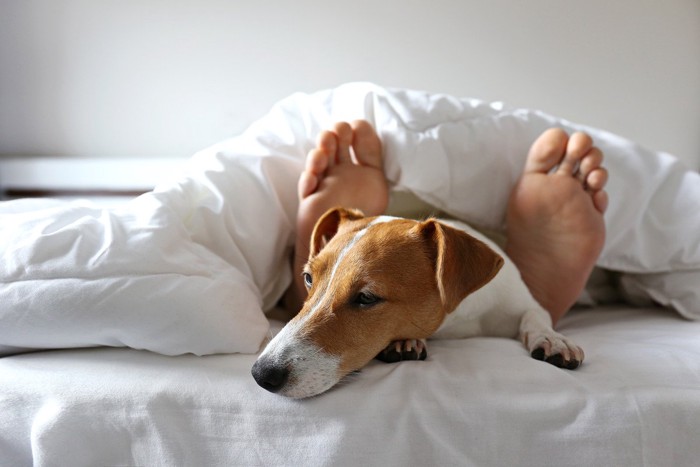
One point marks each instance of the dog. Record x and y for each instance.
(380, 286)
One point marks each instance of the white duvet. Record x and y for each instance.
(191, 266)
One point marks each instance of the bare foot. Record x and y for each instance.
(345, 169)
(555, 227)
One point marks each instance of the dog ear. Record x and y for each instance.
(463, 264)
(328, 225)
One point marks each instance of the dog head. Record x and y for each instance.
(370, 281)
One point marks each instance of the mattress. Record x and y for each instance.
(479, 401)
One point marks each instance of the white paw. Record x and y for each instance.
(555, 349)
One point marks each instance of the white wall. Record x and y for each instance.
(168, 77)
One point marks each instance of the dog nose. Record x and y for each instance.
(269, 375)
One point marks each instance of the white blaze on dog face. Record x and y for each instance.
(380, 288)
(302, 369)
(375, 281)
(368, 287)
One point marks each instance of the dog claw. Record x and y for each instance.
(557, 359)
(538, 353)
(572, 364)
(403, 351)
(389, 356)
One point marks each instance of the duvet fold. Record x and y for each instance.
(191, 266)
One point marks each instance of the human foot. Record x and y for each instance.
(344, 169)
(555, 227)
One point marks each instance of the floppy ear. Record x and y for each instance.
(328, 225)
(463, 264)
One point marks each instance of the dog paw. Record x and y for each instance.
(397, 351)
(558, 351)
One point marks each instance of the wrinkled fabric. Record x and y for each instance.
(191, 266)
(483, 401)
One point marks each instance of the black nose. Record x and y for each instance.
(269, 375)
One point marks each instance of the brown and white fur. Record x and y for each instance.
(380, 286)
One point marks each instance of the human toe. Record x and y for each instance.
(308, 182)
(343, 131)
(590, 162)
(578, 146)
(600, 201)
(317, 161)
(547, 150)
(596, 179)
(366, 144)
(327, 145)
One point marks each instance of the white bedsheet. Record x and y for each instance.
(190, 267)
(483, 401)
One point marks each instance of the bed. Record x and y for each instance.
(129, 333)
(474, 402)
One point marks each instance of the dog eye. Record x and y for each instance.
(366, 299)
(308, 280)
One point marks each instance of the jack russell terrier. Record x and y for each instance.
(379, 286)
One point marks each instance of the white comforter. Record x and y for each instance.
(190, 267)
